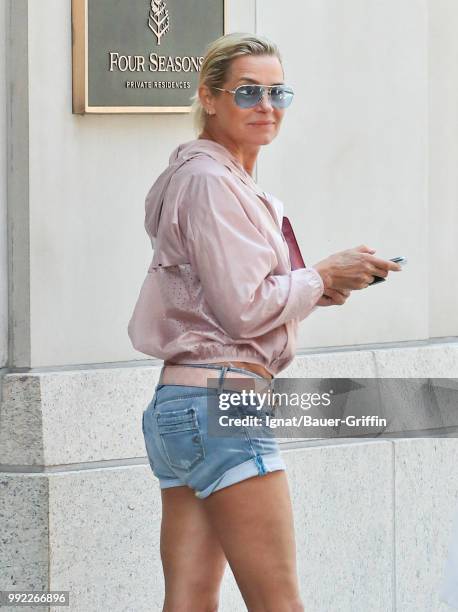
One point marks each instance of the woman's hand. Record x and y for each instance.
(353, 269)
(334, 297)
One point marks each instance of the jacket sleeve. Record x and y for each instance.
(234, 261)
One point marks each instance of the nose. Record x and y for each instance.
(265, 101)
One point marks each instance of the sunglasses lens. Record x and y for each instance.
(281, 96)
(248, 96)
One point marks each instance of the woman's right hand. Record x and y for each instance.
(354, 268)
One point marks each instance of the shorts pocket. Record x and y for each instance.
(181, 438)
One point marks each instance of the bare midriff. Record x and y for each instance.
(253, 367)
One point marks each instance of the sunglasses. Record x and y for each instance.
(247, 96)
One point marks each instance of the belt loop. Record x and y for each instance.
(221, 379)
(161, 375)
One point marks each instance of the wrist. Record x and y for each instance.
(324, 272)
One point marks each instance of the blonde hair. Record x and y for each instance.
(217, 62)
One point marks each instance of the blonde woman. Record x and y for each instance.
(220, 301)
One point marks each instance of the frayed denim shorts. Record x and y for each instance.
(183, 452)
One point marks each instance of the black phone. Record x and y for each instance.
(399, 260)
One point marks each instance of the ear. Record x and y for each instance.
(206, 99)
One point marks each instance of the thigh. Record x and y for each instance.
(254, 522)
(192, 557)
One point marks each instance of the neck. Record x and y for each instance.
(246, 155)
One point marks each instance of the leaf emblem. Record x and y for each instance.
(158, 20)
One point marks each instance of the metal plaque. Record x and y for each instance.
(140, 56)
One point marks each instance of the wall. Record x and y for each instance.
(443, 180)
(3, 194)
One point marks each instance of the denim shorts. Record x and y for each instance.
(182, 453)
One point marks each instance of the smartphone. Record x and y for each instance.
(399, 260)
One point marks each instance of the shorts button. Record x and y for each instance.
(195, 438)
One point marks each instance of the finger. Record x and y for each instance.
(351, 284)
(331, 292)
(336, 296)
(342, 292)
(379, 272)
(384, 264)
(363, 282)
(362, 248)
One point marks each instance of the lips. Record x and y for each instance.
(262, 123)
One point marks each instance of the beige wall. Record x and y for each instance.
(365, 131)
(443, 176)
(3, 194)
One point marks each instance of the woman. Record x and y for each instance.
(220, 301)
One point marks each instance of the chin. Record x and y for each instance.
(267, 139)
(262, 139)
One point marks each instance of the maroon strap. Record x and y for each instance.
(294, 251)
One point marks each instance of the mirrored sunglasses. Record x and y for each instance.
(247, 96)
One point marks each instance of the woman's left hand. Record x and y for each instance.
(334, 297)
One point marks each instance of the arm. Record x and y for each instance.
(233, 261)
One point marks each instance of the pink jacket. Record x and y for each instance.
(220, 285)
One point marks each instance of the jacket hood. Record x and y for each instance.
(184, 152)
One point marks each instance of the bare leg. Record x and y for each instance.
(192, 558)
(253, 520)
